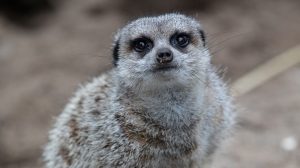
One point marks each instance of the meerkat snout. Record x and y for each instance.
(164, 56)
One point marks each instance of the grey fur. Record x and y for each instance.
(134, 117)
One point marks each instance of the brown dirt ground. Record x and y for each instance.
(41, 67)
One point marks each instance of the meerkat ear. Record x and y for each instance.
(203, 37)
(116, 48)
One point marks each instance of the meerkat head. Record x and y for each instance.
(164, 51)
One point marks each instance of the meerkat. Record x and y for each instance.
(162, 105)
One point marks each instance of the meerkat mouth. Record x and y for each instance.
(164, 68)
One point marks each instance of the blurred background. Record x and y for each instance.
(49, 47)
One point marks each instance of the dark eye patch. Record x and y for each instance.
(180, 40)
(141, 44)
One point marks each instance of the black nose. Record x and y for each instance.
(164, 56)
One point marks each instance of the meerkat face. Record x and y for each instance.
(161, 51)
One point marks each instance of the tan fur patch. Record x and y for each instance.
(145, 157)
(140, 134)
(65, 154)
(194, 40)
(74, 130)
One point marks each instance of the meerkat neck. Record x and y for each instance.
(162, 94)
(172, 107)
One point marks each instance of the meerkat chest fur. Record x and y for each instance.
(162, 121)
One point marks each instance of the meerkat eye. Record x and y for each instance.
(180, 40)
(142, 44)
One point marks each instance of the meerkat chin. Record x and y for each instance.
(161, 106)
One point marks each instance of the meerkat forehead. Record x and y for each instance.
(163, 25)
